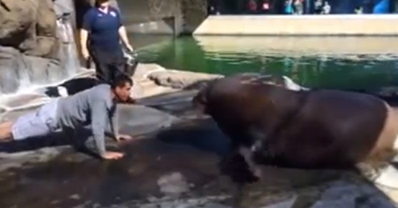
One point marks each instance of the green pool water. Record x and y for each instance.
(328, 62)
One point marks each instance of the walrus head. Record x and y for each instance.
(200, 100)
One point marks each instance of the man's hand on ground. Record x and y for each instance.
(122, 137)
(112, 155)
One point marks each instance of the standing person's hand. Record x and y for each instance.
(129, 47)
(85, 54)
(112, 155)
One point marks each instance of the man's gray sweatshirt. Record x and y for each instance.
(93, 106)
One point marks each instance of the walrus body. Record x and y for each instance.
(306, 129)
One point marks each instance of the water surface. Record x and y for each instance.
(316, 62)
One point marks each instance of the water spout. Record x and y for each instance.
(22, 84)
(68, 51)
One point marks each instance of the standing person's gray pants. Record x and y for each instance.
(39, 123)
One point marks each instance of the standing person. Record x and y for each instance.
(358, 10)
(252, 7)
(326, 8)
(298, 7)
(90, 113)
(289, 7)
(318, 6)
(101, 33)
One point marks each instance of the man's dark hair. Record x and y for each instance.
(121, 80)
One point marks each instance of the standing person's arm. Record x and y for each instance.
(123, 34)
(99, 116)
(84, 31)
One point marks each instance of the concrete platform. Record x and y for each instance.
(176, 166)
(300, 25)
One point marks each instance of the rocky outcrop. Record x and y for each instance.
(29, 26)
(35, 48)
(17, 70)
(180, 79)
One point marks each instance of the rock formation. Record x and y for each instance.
(29, 26)
(30, 43)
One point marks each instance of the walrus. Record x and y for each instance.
(271, 124)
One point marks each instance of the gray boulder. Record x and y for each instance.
(19, 71)
(29, 26)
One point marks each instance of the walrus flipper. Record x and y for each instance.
(388, 177)
(235, 166)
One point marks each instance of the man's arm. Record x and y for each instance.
(115, 123)
(123, 37)
(99, 116)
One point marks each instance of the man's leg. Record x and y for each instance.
(102, 63)
(5, 131)
(38, 123)
(29, 125)
(118, 64)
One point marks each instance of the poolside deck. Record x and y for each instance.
(300, 25)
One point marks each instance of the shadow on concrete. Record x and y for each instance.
(194, 14)
(54, 141)
(81, 7)
(34, 143)
(70, 179)
(202, 134)
(175, 103)
(171, 23)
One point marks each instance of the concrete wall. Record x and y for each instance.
(194, 12)
(152, 16)
(163, 17)
(300, 25)
(171, 17)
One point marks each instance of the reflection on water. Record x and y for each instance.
(316, 62)
(143, 40)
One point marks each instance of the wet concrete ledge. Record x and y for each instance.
(300, 25)
(171, 163)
